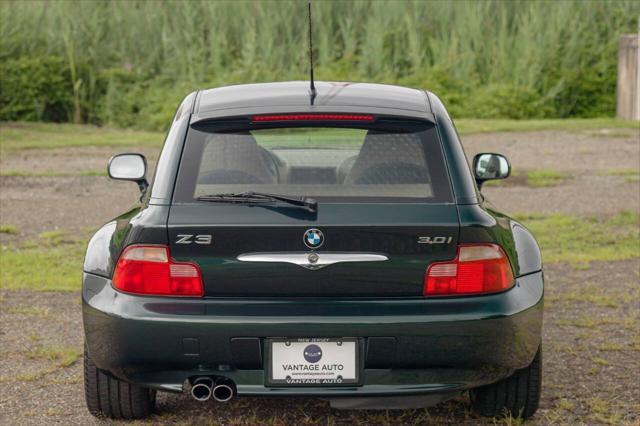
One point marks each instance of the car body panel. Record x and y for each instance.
(465, 342)
(270, 98)
(391, 230)
(482, 224)
(411, 344)
(141, 224)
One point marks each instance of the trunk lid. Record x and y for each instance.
(215, 235)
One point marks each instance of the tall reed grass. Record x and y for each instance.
(130, 62)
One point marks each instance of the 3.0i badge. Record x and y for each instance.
(313, 238)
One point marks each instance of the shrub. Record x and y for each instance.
(130, 66)
(35, 89)
(506, 101)
(586, 93)
(131, 100)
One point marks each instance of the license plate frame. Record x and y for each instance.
(309, 382)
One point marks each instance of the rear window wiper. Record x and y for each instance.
(260, 197)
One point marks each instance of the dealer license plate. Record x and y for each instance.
(313, 362)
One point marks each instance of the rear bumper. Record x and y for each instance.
(409, 346)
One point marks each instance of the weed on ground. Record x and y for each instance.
(580, 240)
(53, 261)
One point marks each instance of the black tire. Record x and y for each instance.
(109, 397)
(518, 395)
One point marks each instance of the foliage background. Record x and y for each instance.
(128, 64)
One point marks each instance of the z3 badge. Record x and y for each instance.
(435, 240)
(204, 239)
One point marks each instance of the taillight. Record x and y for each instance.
(477, 269)
(312, 117)
(149, 270)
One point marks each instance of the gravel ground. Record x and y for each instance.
(66, 160)
(589, 160)
(579, 152)
(580, 195)
(592, 320)
(591, 364)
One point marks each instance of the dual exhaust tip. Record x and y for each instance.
(203, 388)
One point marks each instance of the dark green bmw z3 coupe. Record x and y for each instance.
(333, 245)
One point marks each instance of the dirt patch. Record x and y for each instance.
(588, 160)
(70, 160)
(575, 153)
(591, 363)
(75, 203)
(578, 195)
(592, 344)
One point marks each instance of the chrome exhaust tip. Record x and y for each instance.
(222, 392)
(202, 389)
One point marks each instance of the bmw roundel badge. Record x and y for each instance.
(313, 238)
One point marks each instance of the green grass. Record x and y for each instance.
(629, 175)
(545, 178)
(593, 294)
(8, 229)
(63, 356)
(52, 173)
(311, 138)
(619, 172)
(471, 125)
(57, 357)
(578, 241)
(48, 135)
(540, 178)
(52, 262)
(22, 135)
(55, 269)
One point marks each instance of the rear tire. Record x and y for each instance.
(518, 395)
(109, 397)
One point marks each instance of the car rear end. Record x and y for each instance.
(390, 287)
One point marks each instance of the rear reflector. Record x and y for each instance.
(312, 117)
(149, 270)
(477, 269)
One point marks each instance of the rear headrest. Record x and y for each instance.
(228, 155)
(382, 157)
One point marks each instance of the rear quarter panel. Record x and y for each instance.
(141, 224)
(480, 224)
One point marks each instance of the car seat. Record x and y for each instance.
(389, 158)
(236, 158)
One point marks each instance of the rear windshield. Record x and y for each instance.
(326, 163)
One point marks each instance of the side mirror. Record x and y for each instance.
(129, 167)
(488, 166)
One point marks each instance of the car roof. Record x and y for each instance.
(294, 97)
